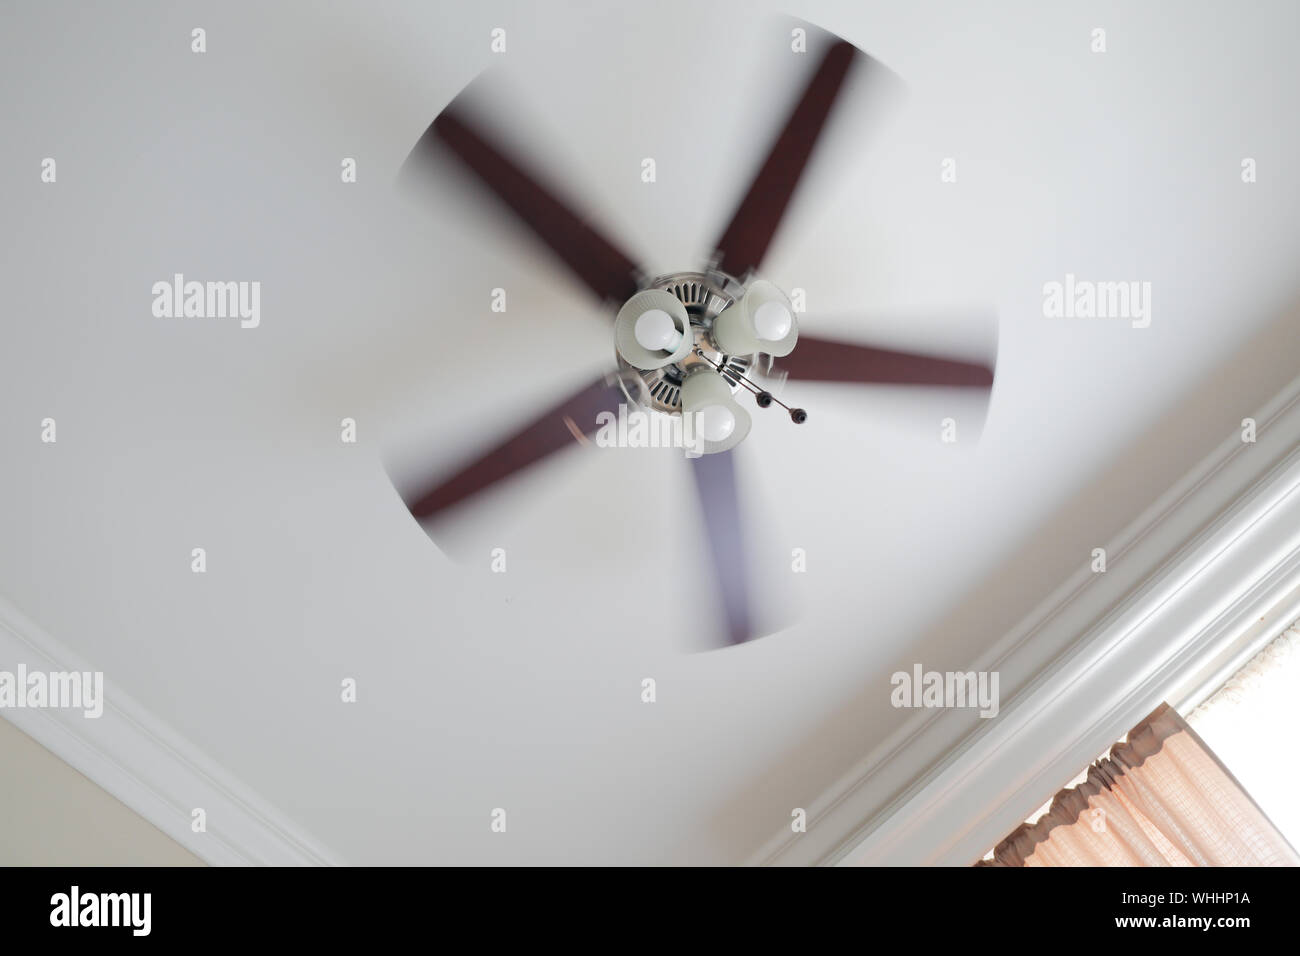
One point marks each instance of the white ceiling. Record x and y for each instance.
(522, 690)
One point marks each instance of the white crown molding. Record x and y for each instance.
(1209, 572)
(142, 762)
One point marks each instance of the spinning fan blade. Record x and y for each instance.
(823, 360)
(755, 222)
(551, 431)
(601, 265)
(715, 482)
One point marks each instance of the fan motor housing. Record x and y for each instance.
(704, 295)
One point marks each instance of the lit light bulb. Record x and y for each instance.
(772, 321)
(655, 331)
(717, 422)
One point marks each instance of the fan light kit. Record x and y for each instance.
(686, 343)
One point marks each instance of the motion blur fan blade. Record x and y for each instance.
(715, 482)
(745, 240)
(824, 360)
(602, 266)
(555, 429)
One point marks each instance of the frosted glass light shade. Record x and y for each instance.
(719, 422)
(761, 320)
(627, 336)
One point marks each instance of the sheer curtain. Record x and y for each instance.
(1161, 798)
(1263, 694)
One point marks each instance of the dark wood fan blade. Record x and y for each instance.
(601, 265)
(745, 240)
(715, 483)
(824, 360)
(557, 428)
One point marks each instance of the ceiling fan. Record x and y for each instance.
(686, 343)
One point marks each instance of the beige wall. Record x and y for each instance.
(50, 815)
